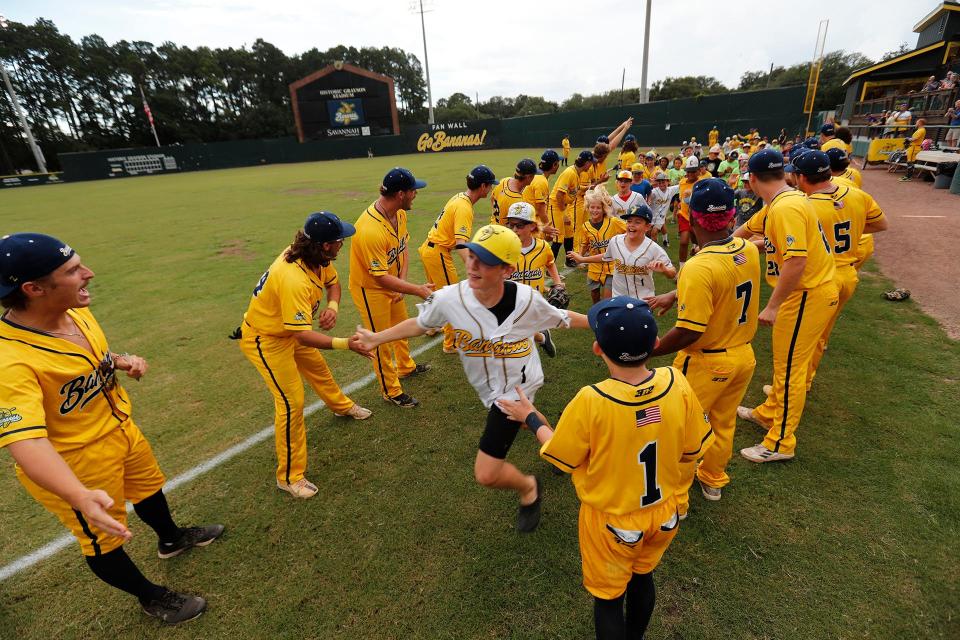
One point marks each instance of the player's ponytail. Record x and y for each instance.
(303, 248)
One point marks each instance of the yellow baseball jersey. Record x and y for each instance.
(790, 228)
(54, 389)
(624, 443)
(538, 191)
(287, 297)
(377, 248)
(713, 137)
(569, 183)
(531, 268)
(454, 224)
(843, 215)
(833, 143)
(627, 158)
(917, 137)
(597, 241)
(565, 145)
(503, 197)
(686, 189)
(718, 295)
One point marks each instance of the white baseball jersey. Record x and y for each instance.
(630, 274)
(660, 203)
(495, 357)
(621, 206)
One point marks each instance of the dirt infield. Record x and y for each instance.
(918, 251)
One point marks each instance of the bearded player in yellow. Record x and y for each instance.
(719, 298)
(68, 423)
(454, 226)
(845, 214)
(278, 338)
(801, 271)
(623, 440)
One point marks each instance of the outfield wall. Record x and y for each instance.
(666, 123)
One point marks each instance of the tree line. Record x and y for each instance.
(85, 95)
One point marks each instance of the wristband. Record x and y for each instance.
(333, 304)
(340, 343)
(533, 422)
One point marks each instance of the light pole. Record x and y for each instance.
(426, 61)
(37, 153)
(646, 57)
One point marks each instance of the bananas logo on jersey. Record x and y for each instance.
(346, 114)
(9, 416)
(472, 347)
(78, 392)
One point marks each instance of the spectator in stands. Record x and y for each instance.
(932, 84)
(953, 119)
(890, 119)
(950, 81)
(903, 118)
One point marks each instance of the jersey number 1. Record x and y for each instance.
(647, 458)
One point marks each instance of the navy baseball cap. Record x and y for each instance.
(639, 210)
(482, 174)
(603, 140)
(811, 143)
(765, 161)
(828, 129)
(812, 164)
(624, 328)
(586, 155)
(795, 153)
(711, 196)
(526, 167)
(629, 138)
(400, 179)
(324, 226)
(839, 159)
(549, 157)
(28, 256)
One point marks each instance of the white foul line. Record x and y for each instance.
(65, 540)
(922, 216)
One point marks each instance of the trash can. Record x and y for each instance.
(942, 181)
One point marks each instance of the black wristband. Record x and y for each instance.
(533, 422)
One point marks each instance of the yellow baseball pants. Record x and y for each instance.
(284, 363)
(800, 322)
(441, 271)
(379, 311)
(120, 463)
(719, 378)
(846, 280)
(864, 250)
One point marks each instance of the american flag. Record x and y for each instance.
(739, 258)
(648, 416)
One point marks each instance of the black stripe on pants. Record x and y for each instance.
(286, 402)
(786, 382)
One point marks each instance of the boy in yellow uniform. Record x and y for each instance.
(537, 193)
(378, 279)
(454, 226)
(510, 190)
(623, 440)
(800, 270)
(278, 339)
(565, 203)
(719, 299)
(596, 235)
(845, 214)
(68, 424)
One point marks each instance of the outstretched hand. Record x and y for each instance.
(354, 343)
(517, 410)
(662, 303)
(364, 339)
(93, 505)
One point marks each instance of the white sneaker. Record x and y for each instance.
(710, 493)
(767, 389)
(302, 488)
(356, 412)
(760, 453)
(746, 413)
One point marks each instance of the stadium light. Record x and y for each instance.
(417, 7)
(644, 97)
(37, 153)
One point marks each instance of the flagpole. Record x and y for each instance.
(146, 109)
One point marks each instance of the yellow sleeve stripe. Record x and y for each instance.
(41, 427)
(700, 448)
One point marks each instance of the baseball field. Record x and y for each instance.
(854, 538)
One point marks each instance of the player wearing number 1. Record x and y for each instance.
(623, 440)
(800, 270)
(718, 295)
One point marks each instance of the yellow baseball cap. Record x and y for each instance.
(638, 167)
(624, 175)
(494, 245)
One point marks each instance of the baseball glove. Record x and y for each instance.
(558, 297)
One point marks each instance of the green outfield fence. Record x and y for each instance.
(656, 124)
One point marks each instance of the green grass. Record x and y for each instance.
(855, 538)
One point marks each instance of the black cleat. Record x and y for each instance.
(174, 608)
(549, 347)
(404, 401)
(528, 516)
(190, 537)
(570, 262)
(417, 370)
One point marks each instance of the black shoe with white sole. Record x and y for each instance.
(190, 537)
(528, 516)
(548, 346)
(174, 608)
(404, 401)
(417, 370)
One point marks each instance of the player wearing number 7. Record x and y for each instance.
(800, 270)
(623, 440)
(718, 294)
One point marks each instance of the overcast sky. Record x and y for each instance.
(502, 47)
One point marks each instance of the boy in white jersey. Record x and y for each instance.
(660, 198)
(494, 320)
(635, 257)
(625, 197)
